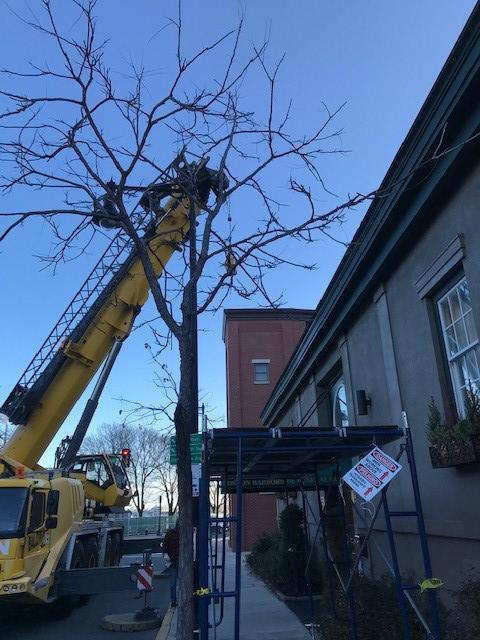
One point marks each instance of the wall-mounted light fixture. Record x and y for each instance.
(363, 402)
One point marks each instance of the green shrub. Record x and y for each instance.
(269, 560)
(472, 410)
(377, 609)
(281, 559)
(261, 546)
(441, 435)
(291, 521)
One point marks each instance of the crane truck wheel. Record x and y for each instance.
(79, 560)
(90, 546)
(64, 605)
(112, 550)
(91, 553)
(107, 562)
(116, 549)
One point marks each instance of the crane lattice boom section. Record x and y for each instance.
(103, 272)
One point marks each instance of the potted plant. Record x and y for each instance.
(458, 444)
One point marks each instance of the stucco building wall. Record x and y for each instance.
(393, 351)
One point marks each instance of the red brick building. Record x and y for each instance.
(259, 343)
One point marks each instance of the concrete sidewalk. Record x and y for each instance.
(262, 615)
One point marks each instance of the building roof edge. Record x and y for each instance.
(458, 73)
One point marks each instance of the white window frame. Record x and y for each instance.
(334, 392)
(453, 360)
(261, 361)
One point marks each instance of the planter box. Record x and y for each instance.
(456, 453)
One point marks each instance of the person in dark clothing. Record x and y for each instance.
(171, 548)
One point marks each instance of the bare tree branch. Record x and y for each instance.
(96, 145)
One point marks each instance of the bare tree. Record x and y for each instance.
(167, 477)
(146, 445)
(218, 499)
(91, 143)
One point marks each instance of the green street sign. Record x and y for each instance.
(195, 448)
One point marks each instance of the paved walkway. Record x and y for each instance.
(263, 615)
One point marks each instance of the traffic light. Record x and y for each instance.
(126, 457)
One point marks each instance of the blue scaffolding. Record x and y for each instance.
(237, 461)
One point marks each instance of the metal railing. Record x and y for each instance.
(146, 525)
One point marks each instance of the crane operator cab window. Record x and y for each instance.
(37, 511)
(95, 470)
(118, 470)
(98, 473)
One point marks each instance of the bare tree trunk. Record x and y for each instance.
(185, 416)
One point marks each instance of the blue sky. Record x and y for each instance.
(381, 58)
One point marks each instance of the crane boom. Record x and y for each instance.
(40, 410)
(57, 520)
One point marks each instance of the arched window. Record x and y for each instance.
(339, 404)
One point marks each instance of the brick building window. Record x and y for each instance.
(460, 339)
(261, 371)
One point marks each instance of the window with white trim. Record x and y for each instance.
(339, 404)
(461, 340)
(261, 371)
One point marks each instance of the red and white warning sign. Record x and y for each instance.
(372, 473)
(145, 578)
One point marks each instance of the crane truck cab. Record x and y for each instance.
(37, 517)
(44, 519)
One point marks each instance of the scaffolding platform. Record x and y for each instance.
(289, 453)
(239, 461)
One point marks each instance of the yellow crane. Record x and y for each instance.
(54, 521)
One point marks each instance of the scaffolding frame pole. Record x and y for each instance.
(347, 563)
(202, 552)
(325, 547)
(221, 566)
(238, 540)
(308, 575)
(427, 563)
(396, 569)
